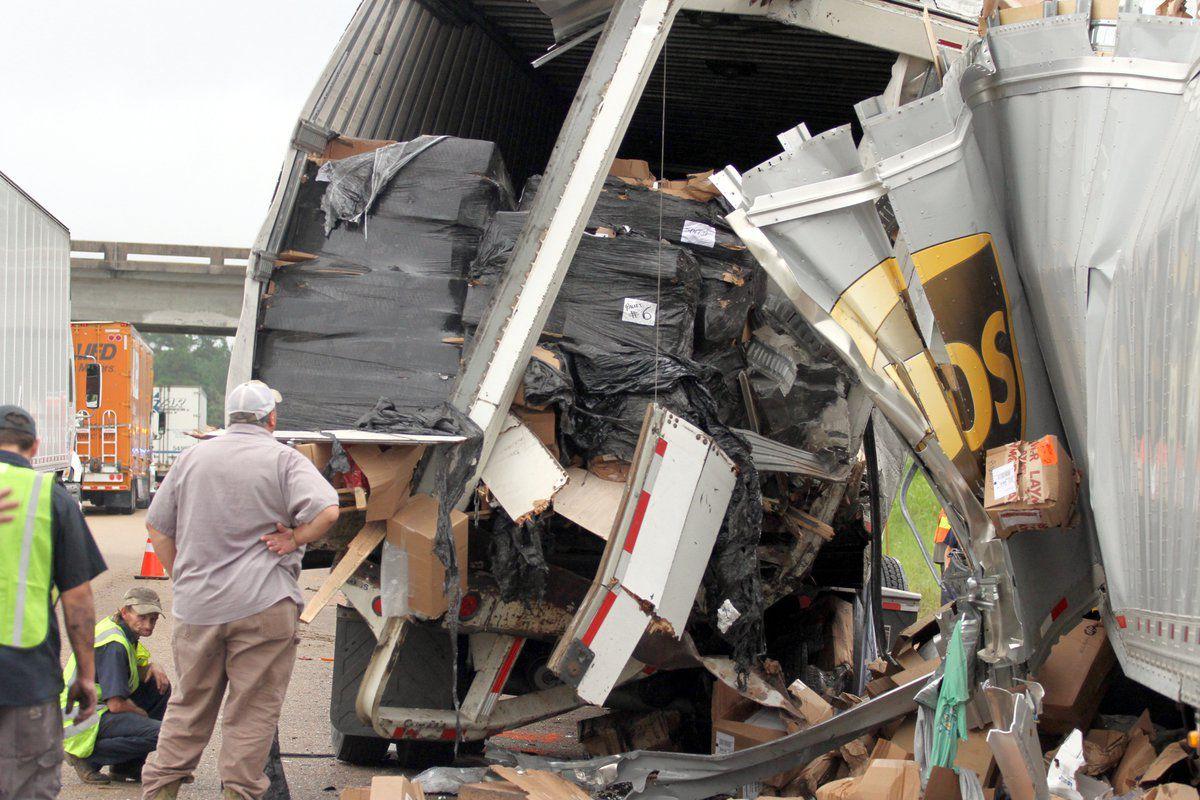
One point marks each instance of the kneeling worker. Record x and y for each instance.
(132, 693)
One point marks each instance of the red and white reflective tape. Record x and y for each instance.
(510, 658)
(445, 734)
(1059, 608)
(1158, 628)
(628, 543)
(594, 626)
(643, 502)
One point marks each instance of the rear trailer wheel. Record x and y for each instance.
(127, 502)
(891, 574)
(419, 679)
(363, 751)
(144, 496)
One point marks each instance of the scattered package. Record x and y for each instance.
(1029, 486)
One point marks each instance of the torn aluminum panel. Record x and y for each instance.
(1013, 740)
(938, 183)
(771, 456)
(679, 486)
(521, 472)
(1007, 641)
(909, 423)
(1143, 431)
(816, 204)
(350, 436)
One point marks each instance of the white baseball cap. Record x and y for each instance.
(251, 397)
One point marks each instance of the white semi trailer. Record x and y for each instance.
(35, 311)
(178, 410)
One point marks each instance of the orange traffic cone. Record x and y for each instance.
(152, 568)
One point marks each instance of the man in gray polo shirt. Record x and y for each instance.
(229, 524)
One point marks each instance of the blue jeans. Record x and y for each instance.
(125, 739)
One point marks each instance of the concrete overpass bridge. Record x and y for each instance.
(160, 288)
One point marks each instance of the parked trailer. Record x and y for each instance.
(35, 308)
(114, 393)
(178, 411)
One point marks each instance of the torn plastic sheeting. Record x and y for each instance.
(329, 336)
(636, 209)
(518, 562)
(321, 327)
(448, 780)
(1064, 778)
(628, 292)
(545, 385)
(729, 289)
(801, 400)
(355, 182)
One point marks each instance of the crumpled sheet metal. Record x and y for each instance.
(1104, 225)
(1067, 199)
(1013, 739)
(816, 205)
(690, 776)
(948, 205)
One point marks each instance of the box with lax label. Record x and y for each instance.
(1029, 486)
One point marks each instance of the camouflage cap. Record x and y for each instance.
(142, 601)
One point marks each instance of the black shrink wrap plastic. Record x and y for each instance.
(731, 282)
(368, 318)
(605, 272)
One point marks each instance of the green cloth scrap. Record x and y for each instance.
(950, 717)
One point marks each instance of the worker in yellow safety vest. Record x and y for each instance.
(45, 548)
(131, 692)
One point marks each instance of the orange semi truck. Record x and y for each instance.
(114, 397)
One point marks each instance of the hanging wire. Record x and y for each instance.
(662, 158)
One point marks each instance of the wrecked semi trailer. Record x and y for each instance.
(883, 307)
(291, 330)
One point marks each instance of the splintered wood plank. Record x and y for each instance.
(361, 546)
(541, 785)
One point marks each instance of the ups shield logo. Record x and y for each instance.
(962, 281)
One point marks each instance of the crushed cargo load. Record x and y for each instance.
(683, 408)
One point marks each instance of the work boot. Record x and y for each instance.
(230, 794)
(85, 771)
(126, 772)
(168, 792)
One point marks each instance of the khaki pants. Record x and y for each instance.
(30, 752)
(253, 658)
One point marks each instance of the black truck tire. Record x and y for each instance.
(420, 679)
(127, 502)
(144, 497)
(891, 574)
(363, 751)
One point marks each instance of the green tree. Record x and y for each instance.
(182, 359)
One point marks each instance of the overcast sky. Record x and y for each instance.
(158, 120)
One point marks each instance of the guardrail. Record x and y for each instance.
(140, 257)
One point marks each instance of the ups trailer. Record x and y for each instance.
(578, 467)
